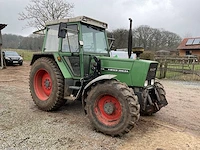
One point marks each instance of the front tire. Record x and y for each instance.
(46, 84)
(112, 107)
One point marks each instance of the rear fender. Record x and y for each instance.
(61, 65)
(36, 56)
(88, 86)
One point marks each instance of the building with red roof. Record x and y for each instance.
(189, 46)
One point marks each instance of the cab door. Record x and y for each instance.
(70, 50)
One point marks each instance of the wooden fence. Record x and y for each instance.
(179, 65)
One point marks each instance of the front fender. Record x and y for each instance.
(87, 87)
(102, 77)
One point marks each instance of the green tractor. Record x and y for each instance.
(75, 64)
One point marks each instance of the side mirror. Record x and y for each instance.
(62, 31)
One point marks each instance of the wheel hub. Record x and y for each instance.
(47, 84)
(42, 84)
(109, 108)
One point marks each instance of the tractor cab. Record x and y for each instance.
(76, 40)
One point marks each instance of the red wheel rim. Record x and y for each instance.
(42, 84)
(108, 110)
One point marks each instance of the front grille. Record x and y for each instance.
(152, 71)
(15, 58)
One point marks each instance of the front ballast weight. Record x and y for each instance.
(152, 99)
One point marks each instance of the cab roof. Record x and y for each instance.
(83, 19)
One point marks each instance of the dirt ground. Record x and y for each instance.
(24, 126)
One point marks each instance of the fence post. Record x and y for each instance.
(182, 65)
(193, 63)
(165, 69)
(161, 70)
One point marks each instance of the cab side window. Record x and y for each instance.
(52, 40)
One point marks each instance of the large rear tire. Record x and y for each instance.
(112, 107)
(46, 84)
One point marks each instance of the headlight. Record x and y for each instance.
(20, 58)
(152, 81)
(8, 58)
(145, 83)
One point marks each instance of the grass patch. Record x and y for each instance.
(187, 77)
(26, 54)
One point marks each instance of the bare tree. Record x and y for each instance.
(40, 11)
(149, 38)
(144, 36)
(121, 38)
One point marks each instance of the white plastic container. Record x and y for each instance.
(121, 54)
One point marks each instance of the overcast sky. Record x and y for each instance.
(178, 16)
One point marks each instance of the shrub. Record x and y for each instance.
(147, 55)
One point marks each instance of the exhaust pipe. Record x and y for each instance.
(130, 39)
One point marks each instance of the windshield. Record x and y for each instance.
(10, 53)
(94, 39)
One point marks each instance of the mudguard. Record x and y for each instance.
(65, 72)
(102, 77)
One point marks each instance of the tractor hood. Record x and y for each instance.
(132, 72)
